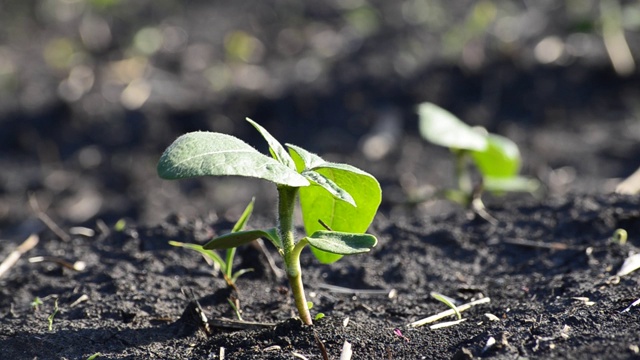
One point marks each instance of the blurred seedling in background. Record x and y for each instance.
(338, 201)
(496, 157)
(225, 265)
(35, 304)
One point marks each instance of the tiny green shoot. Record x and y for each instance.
(120, 225)
(447, 301)
(234, 306)
(620, 236)
(35, 304)
(94, 356)
(496, 157)
(344, 197)
(53, 314)
(226, 264)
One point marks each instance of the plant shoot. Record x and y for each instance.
(338, 201)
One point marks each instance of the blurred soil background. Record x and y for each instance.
(92, 91)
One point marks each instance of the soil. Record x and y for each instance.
(547, 267)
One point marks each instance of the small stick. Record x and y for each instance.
(224, 323)
(345, 290)
(76, 266)
(635, 303)
(27, 245)
(279, 274)
(446, 324)
(47, 220)
(538, 244)
(323, 349)
(449, 312)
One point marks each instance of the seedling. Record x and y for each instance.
(226, 264)
(619, 236)
(496, 157)
(447, 301)
(53, 314)
(35, 304)
(343, 197)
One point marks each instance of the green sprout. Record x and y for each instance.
(53, 314)
(447, 301)
(35, 304)
(342, 197)
(226, 264)
(620, 236)
(120, 225)
(496, 157)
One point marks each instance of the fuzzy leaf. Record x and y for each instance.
(500, 159)
(440, 127)
(330, 186)
(303, 158)
(208, 153)
(239, 238)
(342, 243)
(318, 204)
(276, 149)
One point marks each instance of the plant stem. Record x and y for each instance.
(286, 205)
(231, 253)
(462, 175)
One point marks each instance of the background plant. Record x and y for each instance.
(496, 157)
(338, 201)
(226, 264)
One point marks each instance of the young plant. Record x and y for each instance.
(226, 264)
(496, 157)
(338, 201)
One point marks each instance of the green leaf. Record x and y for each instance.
(337, 192)
(501, 158)
(239, 273)
(276, 149)
(440, 127)
(303, 158)
(236, 239)
(239, 226)
(207, 153)
(511, 184)
(246, 214)
(447, 301)
(342, 243)
(318, 204)
(208, 253)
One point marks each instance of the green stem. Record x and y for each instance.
(230, 255)
(462, 175)
(286, 205)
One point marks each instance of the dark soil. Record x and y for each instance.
(85, 158)
(548, 268)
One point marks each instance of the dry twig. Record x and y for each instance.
(27, 245)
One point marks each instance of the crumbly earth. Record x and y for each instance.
(548, 269)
